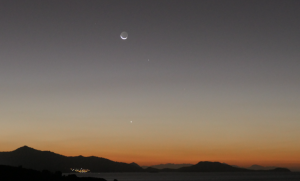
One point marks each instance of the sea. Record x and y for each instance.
(161, 176)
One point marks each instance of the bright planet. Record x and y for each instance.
(124, 35)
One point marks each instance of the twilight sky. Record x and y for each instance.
(222, 82)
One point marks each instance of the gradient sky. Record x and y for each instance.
(222, 82)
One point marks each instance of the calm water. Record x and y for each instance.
(195, 176)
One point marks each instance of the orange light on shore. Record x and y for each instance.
(80, 170)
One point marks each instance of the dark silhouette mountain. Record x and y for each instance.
(168, 165)
(9, 173)
(258, 167)
(236, 166)
(278, 170)
(134, 164)
(211, 167)
(40, 160)
(222, 167)
(46, 160)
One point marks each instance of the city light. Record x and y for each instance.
(81, 170)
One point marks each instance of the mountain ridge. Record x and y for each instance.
(31, 158)
(168, 165)
(259, 167)
(40, 160)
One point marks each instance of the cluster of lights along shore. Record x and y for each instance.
(79, 170)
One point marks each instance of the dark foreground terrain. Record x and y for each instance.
(9, 173)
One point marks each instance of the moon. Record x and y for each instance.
(130, 121)
(124, 35)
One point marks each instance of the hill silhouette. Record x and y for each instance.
(168, 165)
(211, 167)
(41, 160)
(207, 166)
(259, 167)
(223, 167)
(45, 160)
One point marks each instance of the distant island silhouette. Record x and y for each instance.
(206, 166)
(30, 158)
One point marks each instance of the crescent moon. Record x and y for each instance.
(124, 35)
